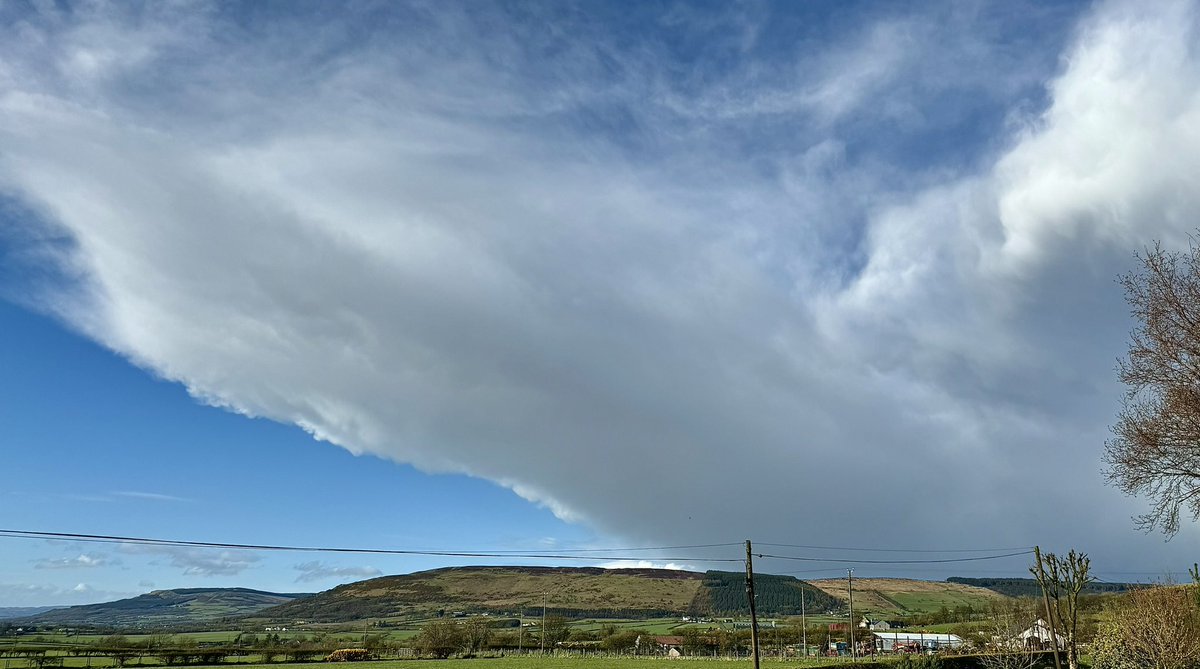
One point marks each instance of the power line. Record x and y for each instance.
(900, 550)
(145, 541)
(853, 561)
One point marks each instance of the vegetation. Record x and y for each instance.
(724, 593)
(1156, 627)
(573, 592)
(1153, 451)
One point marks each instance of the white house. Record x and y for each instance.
(1038, 636)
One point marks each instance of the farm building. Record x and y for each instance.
(890, 642)
(878, 625)
(1038, 636)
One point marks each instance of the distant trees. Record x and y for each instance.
(1155, 448)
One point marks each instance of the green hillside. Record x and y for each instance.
(571, 591)
(186, 607)
(574, 592)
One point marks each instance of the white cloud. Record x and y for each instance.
(647, 564)
(199, 561)
(434, 257)
(81, 561)
(320, 571)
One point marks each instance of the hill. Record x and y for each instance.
(1028, 587)
(186, 607)
(571, 591)
(903, 596)
(724, 593)
(8, 612)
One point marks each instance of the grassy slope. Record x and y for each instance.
(899, 596)
(498, 589)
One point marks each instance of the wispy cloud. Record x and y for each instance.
(320, 571)
(199, 561)
(155, 496)
(81, 561)
(647, 564)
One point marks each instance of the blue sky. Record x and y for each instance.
(531, 275)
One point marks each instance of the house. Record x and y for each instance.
(877, 625)
(1039, 637)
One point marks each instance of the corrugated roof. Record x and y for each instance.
(918, 636)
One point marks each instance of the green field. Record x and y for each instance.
(510, 662)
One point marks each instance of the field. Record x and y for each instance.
(510, 662)
(898, 596)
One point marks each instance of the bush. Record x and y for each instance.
(349, 655)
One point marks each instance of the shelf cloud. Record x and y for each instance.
(860, 285)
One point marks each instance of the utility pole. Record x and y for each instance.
(543, 634)
(750, 597)
(850, 590)
(803, 625)
(1041, 574)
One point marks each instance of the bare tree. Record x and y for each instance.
(1155, 448)
(1158, 627)
(1062, 579)
(1003, 647)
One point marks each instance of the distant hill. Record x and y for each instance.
(187, 607)
(7, 612)
(904, 596)
(1028, 587)
(573, 592)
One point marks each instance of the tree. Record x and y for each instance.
(1155, 448)
(1000, 636)
(477, 632)
(439, 638)
(1154, 627)
(620, 642)
(555, 631)
(1061, 580)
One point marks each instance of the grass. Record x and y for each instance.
(522, 662)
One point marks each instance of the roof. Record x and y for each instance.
(919, 636)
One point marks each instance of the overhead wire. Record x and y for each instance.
(897, 550)
(859, 561)
(562, 554)
(147, 541)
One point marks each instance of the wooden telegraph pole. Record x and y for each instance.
(1037, 554)
(850, 590)
(750, 597)
(803, 625)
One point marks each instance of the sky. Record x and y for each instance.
(542, 277)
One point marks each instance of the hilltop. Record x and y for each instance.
(571, 592)
(185, 607)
